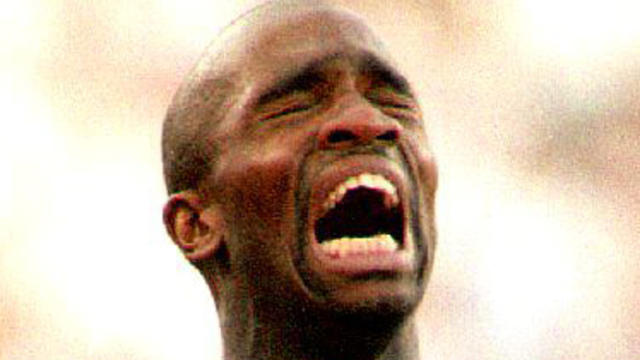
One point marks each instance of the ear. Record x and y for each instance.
(197, 230)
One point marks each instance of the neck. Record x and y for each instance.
(271, 336)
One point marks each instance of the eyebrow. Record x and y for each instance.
(305, 80)
(386, 74)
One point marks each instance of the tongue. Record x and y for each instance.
(359, 246)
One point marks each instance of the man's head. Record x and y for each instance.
(300, 177)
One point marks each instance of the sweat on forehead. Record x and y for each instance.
(278, 38)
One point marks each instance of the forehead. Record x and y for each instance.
(275, 46)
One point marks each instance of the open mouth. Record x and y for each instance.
(361, 217)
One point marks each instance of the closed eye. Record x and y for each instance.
(389, 99)
(296, 103)
(289, 110)
(394, 104)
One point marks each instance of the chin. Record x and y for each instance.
(382, 297)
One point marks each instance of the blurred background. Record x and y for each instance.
(534, 114)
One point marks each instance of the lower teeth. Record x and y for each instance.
(347, 246)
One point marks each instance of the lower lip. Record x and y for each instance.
(398, 261)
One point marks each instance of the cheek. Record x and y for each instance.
(255, 183)
(425, 164)
(427, 176)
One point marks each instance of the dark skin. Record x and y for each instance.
(315, 101)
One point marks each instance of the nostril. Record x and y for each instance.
(390, 135)
(339, 136)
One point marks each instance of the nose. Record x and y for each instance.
(359, 125)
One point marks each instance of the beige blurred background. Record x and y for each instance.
(534, 113)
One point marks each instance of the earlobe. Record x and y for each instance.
(199, 232)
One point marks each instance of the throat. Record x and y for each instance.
(316, 337)
(366, 341)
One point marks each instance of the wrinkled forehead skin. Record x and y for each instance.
(277, 34)
(278, 39)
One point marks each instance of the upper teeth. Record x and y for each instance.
(372, 181)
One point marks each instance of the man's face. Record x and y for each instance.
(324, 176)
